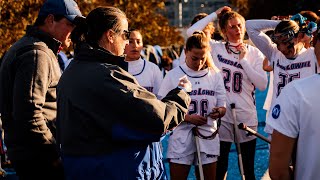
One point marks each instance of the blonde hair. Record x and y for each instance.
(199, 40)
(287, 25)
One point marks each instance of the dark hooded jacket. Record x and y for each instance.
(104, 113)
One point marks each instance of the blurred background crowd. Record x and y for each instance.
(164, 22)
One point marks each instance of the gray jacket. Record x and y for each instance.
(29, 75)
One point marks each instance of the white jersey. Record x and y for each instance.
(296, 114)
(284, 70)
(208, 92)
(267, 102)
(147, 74)
(241, 77)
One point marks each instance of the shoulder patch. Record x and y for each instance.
(276, 111)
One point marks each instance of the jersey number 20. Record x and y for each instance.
(234, 79)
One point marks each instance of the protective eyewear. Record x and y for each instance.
(283, 37)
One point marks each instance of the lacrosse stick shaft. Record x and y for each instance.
(251, 131)
(236, 131)
(199, 158)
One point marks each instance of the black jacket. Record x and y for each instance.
(102, 108)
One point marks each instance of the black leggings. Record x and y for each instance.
(248, 150)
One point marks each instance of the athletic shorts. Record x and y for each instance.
(226, 133)
(192, 159)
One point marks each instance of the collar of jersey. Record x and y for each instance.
(300, 52)
(137, 63)
(193, 74)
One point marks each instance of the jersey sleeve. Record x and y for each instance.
(182, 58)
(256, 29)
(214, 55)
(166, 85)
(285, 112)
(157, 79)
(254, 70)
(220, 91)
(201, 24)
(267, 102)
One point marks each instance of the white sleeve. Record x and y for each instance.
(221, 91)
(201, 24)
(255, 72)
(256, 29)
(175, 63)
(182, 58)
(285, 112)
(166, 86)
(267, 102)
(157, 79)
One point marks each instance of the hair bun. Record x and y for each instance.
(223, 12)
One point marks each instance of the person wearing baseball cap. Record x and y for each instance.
(65, 10)
(68, 8)
(29, 75)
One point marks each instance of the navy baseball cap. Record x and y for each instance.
(68, 8)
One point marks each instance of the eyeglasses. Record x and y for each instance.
(126, 34)
(283, 37)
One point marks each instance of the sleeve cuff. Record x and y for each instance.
(281, 130)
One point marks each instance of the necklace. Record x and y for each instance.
(231, 49)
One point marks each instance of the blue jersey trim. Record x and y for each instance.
(144, 65)
(193, 76)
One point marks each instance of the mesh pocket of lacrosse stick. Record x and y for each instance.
(196, 131)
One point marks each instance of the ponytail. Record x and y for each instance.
(78, 33)
(98, 21)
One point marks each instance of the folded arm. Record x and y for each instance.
(256, 30)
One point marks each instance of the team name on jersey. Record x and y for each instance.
(292, 66)
(229, 62)
(150, 89)
(201, 91)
